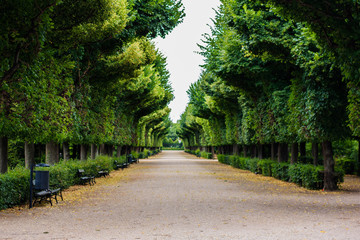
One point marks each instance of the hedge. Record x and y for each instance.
(305, 175)
(14, 185)
(199, 153)
(350, 166)
(206, 155)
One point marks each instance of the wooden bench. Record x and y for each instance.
(102, 173)
(131, 159)
(120, 165)
(85, 179)
(46, 194)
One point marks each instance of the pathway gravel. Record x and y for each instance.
(175, 195)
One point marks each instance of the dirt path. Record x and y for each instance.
(177, 196)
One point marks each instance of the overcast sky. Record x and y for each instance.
(179, 47)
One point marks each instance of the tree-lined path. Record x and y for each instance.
(178, 196)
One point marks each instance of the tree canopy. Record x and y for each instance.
(85, 72)
(270, 78)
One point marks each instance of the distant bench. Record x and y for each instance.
(85, 179)
(102, 173)
(120, 165)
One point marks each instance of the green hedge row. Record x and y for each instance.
(14, 185)
(145, 154)
(305, 175)
(350, 166)
(199, 153)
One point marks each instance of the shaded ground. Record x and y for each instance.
(178, 196)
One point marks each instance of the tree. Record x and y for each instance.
(76, 62)
(270, 81)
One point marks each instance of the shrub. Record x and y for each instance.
(206, 155)
(340, 173)
(233, 159)
(347, 164)
(305, 175)
(295, 173)
(280, 171)
(264, 167)
(14, 187)
(251, 164)
(197, 152)
(311, 177)
(242, 163)
(135, 154)
(141, 155)
(221, 158)
(146, 153)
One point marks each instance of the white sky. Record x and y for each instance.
(179, 47)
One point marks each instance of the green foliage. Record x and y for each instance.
(280, 171)
(269, 78)
(14, 187)
(264, 167)
(310, 176)
(251, 164)
(206, 155)
(223, 158)
(347, 148)
(238, 162)
(172, 140)
(198, 152)
(336, 30)
(305, 175)
(135, 154)
(349, 166)
(295, 173)
(154, 18)
(85, 72)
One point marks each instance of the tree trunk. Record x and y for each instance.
(235, 149)
(315, 152)
(66, 151)
(329, 166)
(3, 154)
(274, 150)
(93, 151)
(52, 153)
(118, 151)
(83, 152)
(29, 154)
(260, 151)
(73, 152)
(283, 152)
(102, 149)
(294, 153)
(303, 149)
(111, 150)
(253, 151)
(245, 151)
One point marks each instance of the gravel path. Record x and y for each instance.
(177, 196)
